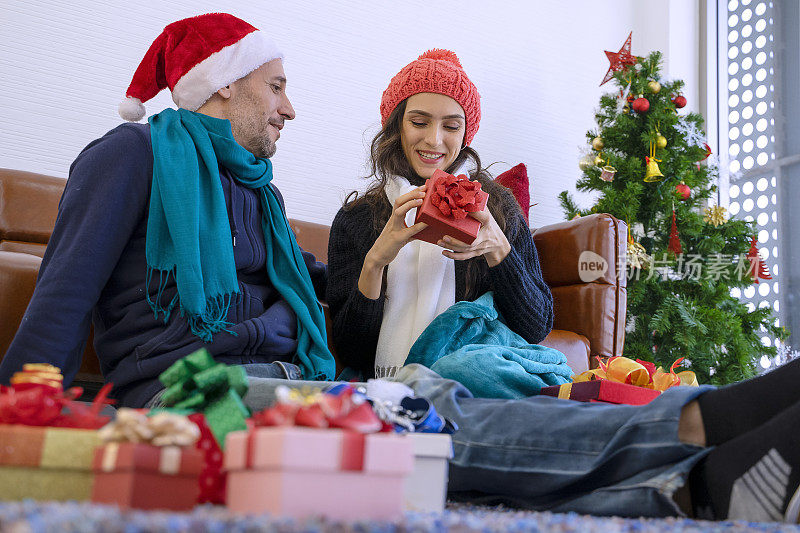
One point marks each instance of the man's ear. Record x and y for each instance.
(225, 92)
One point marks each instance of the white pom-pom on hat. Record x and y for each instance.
(131, 109)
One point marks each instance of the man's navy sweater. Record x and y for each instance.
(94, 270)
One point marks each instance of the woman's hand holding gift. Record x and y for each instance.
(394, 236)
(491, 242)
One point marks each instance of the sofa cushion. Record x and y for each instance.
(18, 273)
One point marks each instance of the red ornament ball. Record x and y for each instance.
(679, 101)
(683, 191)
(641, 105)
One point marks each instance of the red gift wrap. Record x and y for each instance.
(46, 437)
(622, 380)
(602, 390)
(143, 476)
(36, 397)
(445, 209)
(213, 480)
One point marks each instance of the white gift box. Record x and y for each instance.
(426, 487)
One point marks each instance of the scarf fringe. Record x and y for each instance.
(202, 325)
(163, 279)
(213, 320)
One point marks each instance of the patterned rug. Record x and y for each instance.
(33, 517)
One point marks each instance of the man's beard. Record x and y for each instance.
(263, 147)
(252, 130)
(253, 134)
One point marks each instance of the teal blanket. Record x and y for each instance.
(470, 343)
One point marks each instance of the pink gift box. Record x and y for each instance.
(300, 472)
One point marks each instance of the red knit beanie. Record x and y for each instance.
(435, 71)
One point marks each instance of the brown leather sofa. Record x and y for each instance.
(589, 316)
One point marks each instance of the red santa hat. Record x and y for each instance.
(195, 58)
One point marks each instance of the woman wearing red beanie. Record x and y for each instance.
(430, 112)
(538, 452)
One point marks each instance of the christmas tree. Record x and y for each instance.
(649, 163)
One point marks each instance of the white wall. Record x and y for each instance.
(64, 66)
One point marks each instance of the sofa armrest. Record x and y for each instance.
(583, 262)
(574, 346)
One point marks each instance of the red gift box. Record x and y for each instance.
(143, 476)
(602, 390)
(446, 207)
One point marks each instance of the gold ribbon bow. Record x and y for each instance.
(639, 373)
(161, 429)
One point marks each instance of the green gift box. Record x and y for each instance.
(46, 463)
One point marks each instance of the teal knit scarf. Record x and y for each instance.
(189, 237)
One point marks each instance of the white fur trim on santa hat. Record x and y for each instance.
(131, 109)
(223, 68)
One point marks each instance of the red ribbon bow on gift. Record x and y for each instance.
(345, 411)
(36, 397)
(455, 195)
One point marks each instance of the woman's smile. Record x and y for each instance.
(430, 158)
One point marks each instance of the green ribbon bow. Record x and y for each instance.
(200, 384)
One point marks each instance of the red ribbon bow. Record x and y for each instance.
(37, 398)
(455, 195)
(344, 411)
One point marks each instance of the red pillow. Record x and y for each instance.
(516, 179)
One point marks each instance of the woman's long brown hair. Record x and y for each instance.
(387, 159)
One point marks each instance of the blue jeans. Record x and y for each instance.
(549, 454)
(545, 453)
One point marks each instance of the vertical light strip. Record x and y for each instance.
(747, 114)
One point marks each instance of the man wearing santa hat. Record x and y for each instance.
(170, 235)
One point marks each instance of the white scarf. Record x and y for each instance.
(420, 285)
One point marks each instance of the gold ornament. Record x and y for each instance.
(597, 143)
(652, 172)
(654, 87)
(714, 215)
(661, 141)
(637, 256)
(598, 160)
(584, 163)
